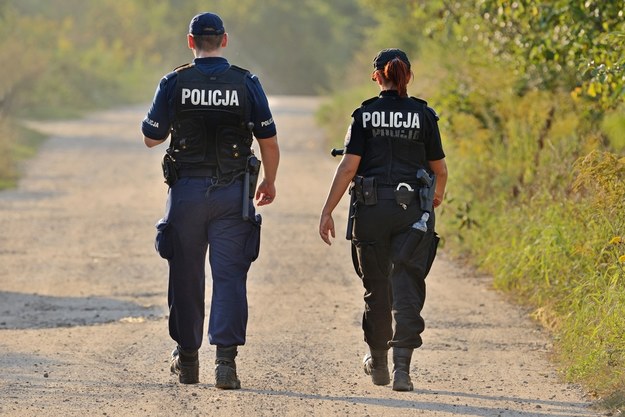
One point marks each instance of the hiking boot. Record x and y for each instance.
(186, 366)
(401, 369)
(375, 364)
(226, 368)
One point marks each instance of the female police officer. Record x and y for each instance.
(211, 109)
(391, 149)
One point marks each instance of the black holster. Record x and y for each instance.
(250, 180)
(170, 173)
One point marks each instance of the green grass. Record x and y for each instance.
(17, 144)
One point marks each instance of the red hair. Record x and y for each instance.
(397, 72)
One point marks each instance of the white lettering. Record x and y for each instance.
(234, 98)
(217, 101)
(266, 122)
(199, 97)
(375, 118)
(396, 120)
(151, 122)
(366, 117)
(195, 97)
(186, 93)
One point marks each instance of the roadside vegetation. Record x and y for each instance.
(530, 95)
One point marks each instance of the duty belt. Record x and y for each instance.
(387, 192)
(198, 172)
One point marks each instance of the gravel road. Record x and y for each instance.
(83, 317)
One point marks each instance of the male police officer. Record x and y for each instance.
(211, 109)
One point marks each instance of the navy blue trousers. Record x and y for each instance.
(194, 223)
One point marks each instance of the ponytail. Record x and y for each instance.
(397, 72)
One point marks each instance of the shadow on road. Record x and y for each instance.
(542, 408)
(33, 311)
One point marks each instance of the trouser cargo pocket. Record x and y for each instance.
(164, 239)
(418, 251)
(252, 246)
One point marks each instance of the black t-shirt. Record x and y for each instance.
(356, 136)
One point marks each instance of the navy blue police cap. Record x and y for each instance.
(206, 24)
(386, 55)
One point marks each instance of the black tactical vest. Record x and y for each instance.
(210, 127)
(394, 148)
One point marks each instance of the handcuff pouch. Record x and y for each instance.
(404, 195)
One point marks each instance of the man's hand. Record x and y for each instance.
(266, 193)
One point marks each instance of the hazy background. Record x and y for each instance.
(63, 54)
(529, 93)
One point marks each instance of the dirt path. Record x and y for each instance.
(83, 328)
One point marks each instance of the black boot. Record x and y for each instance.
(186, 365)
(375, 364)
(401, 369)
(226, 368)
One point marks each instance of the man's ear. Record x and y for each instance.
(190, 41)
(224, 41)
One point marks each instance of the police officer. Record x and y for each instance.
(391, 139)
(211, 109)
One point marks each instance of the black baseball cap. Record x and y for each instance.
(386, 55)
(206, 24)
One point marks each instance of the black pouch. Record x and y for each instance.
(364, 190)
(252, 245)
(356, 189)
(369, 192)
(233, 148)
(169, 170)
(189, 139)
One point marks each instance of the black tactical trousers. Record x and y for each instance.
(393, 290)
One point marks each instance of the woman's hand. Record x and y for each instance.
(326, 228)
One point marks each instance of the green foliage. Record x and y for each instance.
(579, 267)
(23, 146)
(98, 53)
(613, 126)
(542, 232)
(562, 44)
(294, 47)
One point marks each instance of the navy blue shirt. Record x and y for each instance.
(158, 121)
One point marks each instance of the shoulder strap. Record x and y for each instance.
(239, 69)
(365, 103)
(184, 67)
(419, 100)
(369, 101)
(425, 103)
